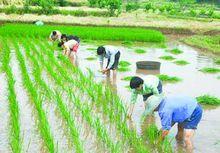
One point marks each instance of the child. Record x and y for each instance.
(112, 54)
(55, 35)
(69, 47)
(151, 85)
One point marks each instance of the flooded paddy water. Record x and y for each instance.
(194, 83)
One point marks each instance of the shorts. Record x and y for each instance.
(116, 62)
(159, 88)
(193, 121)
(75, 48)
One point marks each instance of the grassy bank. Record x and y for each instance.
(209, 43)
(85, 32)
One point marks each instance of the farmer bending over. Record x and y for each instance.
(112, 54)
(55, 35)
(69, 47)
(151, 85)
(65, 38)
(183, 110)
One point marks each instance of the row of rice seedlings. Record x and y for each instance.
(61, 106)
(181, 62)
(43, 124)
(169, 79)
(101, 131)
(210, 70)
(140, 51)
(15, 138)
(95, 123)
(208, 100)
(113, 108)
(116, 113)
(167, 58)
(175, 51)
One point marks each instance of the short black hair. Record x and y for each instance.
(100, 50)
(63, 36)
(136, 82)
(54, 32)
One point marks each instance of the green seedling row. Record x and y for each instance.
(15, 137)
(169, 79)
(43, 124)
(104, 137)
(167, 58)
(208, 100)
(56, 97)
(122, 126)
(181, 62)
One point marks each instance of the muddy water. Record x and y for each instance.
(194, 83)
(4, 115)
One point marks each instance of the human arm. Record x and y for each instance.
(166, 122)
(101, 59)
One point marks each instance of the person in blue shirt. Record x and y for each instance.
(183, 110)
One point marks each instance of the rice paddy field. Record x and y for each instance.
(49, 104)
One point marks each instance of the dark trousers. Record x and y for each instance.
(116, 62)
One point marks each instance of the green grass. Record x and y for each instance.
(124, 64)
(175, 51)
(91, 58)
(140, 51)
(208, 100)
(210, 70)
(209, 43)
(85, 32)
(167, 58)
(128, 78)
(181, 62)
(168, 79)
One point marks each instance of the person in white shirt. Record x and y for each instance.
(69, 47)
(55, 35)
(112, 54)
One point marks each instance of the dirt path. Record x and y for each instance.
(134, 19)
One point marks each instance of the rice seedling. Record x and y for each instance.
(140, 51)
(123, 69)
(128, 78)
(167, 58)
(208, 100)
(15, 138)
(91, 58)
(181, 62)
(175, 51)
(210, 70)
(124, 64)
(168, 79)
